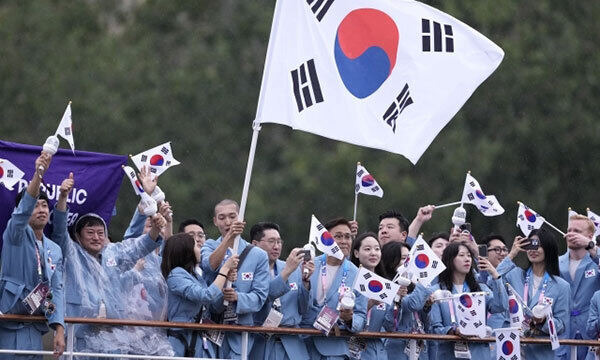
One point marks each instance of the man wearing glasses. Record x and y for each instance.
(497, 250)
(194, 228)
(331, 281)
(288, 295)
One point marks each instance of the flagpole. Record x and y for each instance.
(448, 204)
(245, 189)
(554, 227)
(355, 205)
(256, 129)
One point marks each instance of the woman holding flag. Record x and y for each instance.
(544, 293)
(459, 279)
(406, 315)
(366, 252)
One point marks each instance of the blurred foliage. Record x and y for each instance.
(140, 73)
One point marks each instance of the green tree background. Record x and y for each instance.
(140, 73)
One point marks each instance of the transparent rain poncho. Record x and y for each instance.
(108, 286)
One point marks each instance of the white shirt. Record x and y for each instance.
(537, 281)
(573, 265)
(331, 272)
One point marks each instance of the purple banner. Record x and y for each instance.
(97, 180)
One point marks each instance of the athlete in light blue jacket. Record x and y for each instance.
(459, 278)
(189, 297)
(28, 259)
(539, 283)
(326, 287)
(249, 292)
(288, 296)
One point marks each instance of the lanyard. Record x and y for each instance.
(451, 304)
(324, 275)
(526, 287)
(39, 262)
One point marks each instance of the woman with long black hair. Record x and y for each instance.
(189, 295)
(540, 283)
(458, 278)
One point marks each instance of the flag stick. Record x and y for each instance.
(355, 205)
(244, 200)
(449, 204)
(554, 227)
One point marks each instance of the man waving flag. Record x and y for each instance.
(377, 73)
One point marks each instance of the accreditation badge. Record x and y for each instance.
(36, 297)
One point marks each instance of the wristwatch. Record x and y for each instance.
(591, 245)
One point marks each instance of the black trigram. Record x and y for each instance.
(9, 173)
(473, 312)
(303, 79)
(164, 150)
(382, 296)
(144, 158)
(434, 264)
(68, 131)
(423, 274)
(470, 196)
(513, 335)
(514, 357)
(477, 324)
(360, 173)
(334, 249)
(367, 276)
(501, 337)
(448, 36)
(375, 188)
(420, 247)
(396, 108)
(320, 7)
(362, 287)
(388, 286)
(320, 227)
(463, 324)
(132, 174)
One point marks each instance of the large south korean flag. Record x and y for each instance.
(386, 74)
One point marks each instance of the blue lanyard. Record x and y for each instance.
(526, 289)
(324, 274)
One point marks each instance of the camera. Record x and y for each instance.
(534, 243)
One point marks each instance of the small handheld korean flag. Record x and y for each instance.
(9, 174)
(473, 194)
(65, 128)
(528, 220)
(515, 308)
(422, 264)
(375, 287)
(552, 332)
(596, 220)
(365, 183)
(323, 239)
(508, 344)
(471, 314)
(572, 213)
(135, 183)
(158, 159)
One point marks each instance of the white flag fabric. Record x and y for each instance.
(366, 183)
(65, 128)
(9, 174)
(596, 220)
(135, 183)
(473, 194)
(422, 264)
(158, 159)
(471, 313)
(323, 239)
(375, 287)
(378, 73)
(573, 213)
(508, 344)
(528, 220)
(515, 308)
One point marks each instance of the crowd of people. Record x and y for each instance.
(157, 273)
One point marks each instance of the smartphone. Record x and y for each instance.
(534, 244)
(306, 254)
(482, 250)
(465, 227)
